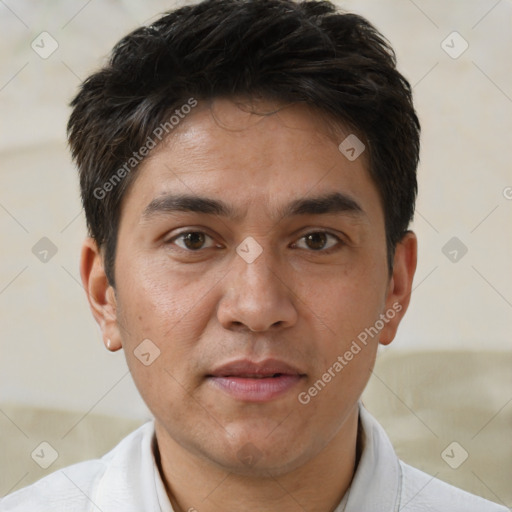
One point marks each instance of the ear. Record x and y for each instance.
(400, 285)
(100, 294)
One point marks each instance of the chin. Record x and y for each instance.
(261, 455)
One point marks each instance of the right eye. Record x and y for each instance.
(192, 240)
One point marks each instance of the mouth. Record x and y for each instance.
(251, 381)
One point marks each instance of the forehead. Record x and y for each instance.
(263, 154)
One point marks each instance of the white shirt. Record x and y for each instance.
(127, 480)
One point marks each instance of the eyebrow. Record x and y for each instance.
(320, 205)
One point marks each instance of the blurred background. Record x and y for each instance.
(457, 56)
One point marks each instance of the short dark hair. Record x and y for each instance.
(282, 50)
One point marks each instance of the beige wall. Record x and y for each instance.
(50, 348)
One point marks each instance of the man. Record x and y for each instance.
(248, 172)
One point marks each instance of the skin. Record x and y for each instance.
(295, 303)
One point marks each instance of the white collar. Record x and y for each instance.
(376, 485)
(131, 481)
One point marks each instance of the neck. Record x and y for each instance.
(195, 483)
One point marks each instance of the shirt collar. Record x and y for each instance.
(376, 485)
(131, 481)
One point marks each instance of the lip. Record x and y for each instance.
(253, 381)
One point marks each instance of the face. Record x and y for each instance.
(251, 258)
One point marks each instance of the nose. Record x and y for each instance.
(257, 296)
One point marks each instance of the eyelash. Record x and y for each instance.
(330, 250)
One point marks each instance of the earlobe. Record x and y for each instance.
(100, 294)
(400, 285)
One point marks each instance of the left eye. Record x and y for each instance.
(192, 240)
(318, 241)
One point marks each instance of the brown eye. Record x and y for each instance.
(319, 241)
(316, 241)
(192, 240)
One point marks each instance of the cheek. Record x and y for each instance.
(157, 299)
(346, 303)
(344, 350)
(170, 311)
(173, 309)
